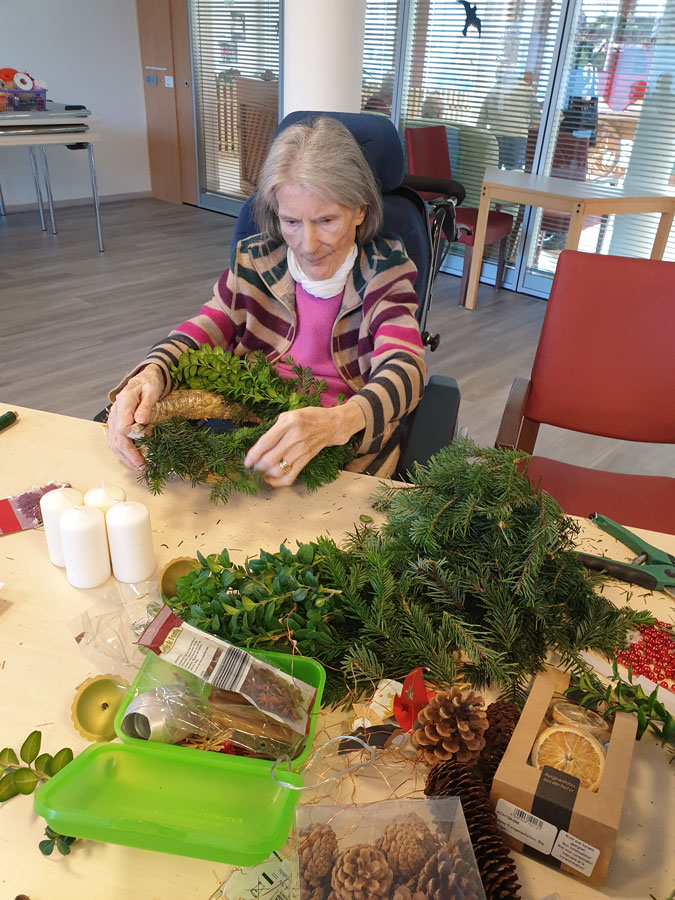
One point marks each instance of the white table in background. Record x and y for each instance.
(577, 198)
(54, 133)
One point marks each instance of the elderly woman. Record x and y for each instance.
(321, 285)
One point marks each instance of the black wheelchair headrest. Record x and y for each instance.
(377, 137)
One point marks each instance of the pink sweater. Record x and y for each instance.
(312, 343)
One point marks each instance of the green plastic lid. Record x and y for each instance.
(178, 800)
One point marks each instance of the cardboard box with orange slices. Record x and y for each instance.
(566, 820)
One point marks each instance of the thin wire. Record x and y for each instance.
(313, 757)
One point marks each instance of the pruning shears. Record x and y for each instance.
(652, 568)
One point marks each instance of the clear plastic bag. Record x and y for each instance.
(392, 849)
(108, 631)
(177, 707)
(234, 671)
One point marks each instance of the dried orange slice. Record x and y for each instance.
(566, 713)
(571, 750)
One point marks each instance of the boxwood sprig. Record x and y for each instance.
(275, 601)
(251, 380)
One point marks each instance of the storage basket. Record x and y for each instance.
(16, 101)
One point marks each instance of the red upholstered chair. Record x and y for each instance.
(604, 365)
(427, 150)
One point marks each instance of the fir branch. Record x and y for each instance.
(472, 575)
(176, 448)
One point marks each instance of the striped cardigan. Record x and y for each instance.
(375, 341)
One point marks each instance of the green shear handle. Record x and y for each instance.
(652, 568)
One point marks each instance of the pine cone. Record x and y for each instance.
(497, 869)
(403, 892)
(501, 712)
(438, 879)
(361, 872)
(488, 763)
(317, 849)
(451, 726)
(462, 857)
(502, 717)
(407, 846)
(310, 891)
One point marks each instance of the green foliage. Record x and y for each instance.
(274, 601)
(250, 380)
(31, 747)
(17, 779)
(473, 572)
(178, 448)
(624, 696)
(60, 841)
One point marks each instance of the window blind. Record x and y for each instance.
(235, 51)
(483, 70)
(613, 123)
(379, 55)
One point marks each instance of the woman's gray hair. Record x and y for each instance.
(322, 157)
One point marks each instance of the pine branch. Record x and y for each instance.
(472, 575)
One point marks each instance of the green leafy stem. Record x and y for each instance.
(23, 779)
(177, 448)
(623, 695)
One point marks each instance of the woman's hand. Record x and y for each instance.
(298, 436)
(133, 404)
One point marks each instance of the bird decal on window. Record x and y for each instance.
(472, 20)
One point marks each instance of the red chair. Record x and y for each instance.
(427, 150)
(604, 365)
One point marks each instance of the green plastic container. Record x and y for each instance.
(178, 800)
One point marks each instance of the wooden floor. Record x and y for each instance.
(74, 320)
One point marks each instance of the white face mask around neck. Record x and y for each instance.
(329, 287)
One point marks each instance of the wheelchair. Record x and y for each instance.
(433, 423)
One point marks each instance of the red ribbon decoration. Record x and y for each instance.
(411, 700)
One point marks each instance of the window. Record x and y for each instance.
(236, 80)
(483, 70)
(579, 89)
(613, 123)
(379, 55)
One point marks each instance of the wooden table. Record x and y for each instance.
(40, 668)
(54, 131)
(577, 198)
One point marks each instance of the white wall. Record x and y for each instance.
(87, 51)
(323, 54)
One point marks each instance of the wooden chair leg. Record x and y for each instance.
(468, 253)
(501, 260)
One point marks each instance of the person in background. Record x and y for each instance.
(509, 112)
(319, 284)
(433, 107)
(380, 101)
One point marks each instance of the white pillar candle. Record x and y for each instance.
(85, 548)
(52, 506)
(130, 539)
(104, 497)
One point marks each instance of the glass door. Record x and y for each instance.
(236, 63)
(483, 70)
(612, 122)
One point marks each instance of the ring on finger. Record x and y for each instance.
(284, 465)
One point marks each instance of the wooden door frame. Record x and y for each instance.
(170, 114)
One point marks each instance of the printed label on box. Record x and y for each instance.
(270, 880)
(523, 826)
(575, 853)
